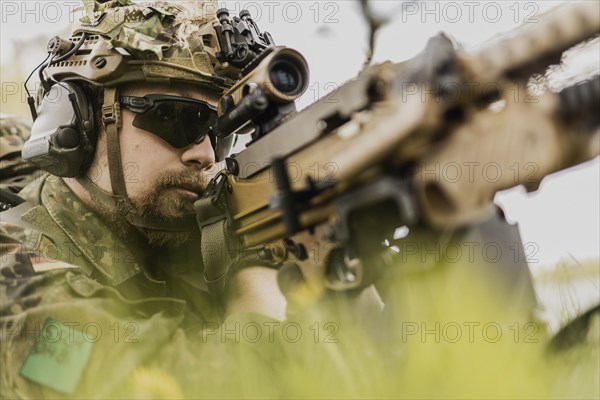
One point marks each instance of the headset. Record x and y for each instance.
(64, 133)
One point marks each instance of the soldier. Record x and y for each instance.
(100, 265)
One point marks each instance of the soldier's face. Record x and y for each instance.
(148, 159)
(162, 181)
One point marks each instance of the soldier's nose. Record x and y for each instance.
(200, 155)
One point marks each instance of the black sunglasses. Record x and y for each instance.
(179, 121)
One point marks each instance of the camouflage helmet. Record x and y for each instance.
(119, 42)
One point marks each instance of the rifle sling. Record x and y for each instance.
(215, 255)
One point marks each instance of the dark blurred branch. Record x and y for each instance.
(374, 23)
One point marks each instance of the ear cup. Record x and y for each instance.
(68, 138)
(87, 128)
(63, 137)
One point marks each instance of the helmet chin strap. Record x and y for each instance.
(111, 119)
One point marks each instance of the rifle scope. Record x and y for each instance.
(276, 80)
(286, 76)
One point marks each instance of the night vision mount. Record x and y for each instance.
(270, 80)
(240, 39)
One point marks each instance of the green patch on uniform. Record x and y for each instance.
(58, 357)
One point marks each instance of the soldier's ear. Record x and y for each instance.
(64, 134)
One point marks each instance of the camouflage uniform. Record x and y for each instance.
(77, 300)
(83, 312)
(15, 173)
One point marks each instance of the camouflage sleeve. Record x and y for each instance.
(66, 335)
(15, 173)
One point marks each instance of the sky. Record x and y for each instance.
(559, 222)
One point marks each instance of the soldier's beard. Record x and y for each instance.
(159, 204)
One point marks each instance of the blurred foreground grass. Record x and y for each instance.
(568, 289)
(446, 333)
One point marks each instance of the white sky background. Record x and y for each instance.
(561, 219)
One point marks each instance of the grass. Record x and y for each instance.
(413, 351)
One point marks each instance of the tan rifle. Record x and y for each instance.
(356, 164)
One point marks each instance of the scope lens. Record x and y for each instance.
(286, 77)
